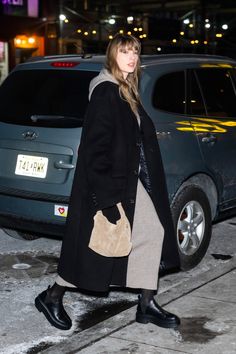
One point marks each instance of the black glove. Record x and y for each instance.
(112, 214)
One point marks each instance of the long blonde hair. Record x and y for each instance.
(129, 87)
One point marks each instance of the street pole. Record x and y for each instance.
(60, 44)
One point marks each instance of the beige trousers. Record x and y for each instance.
(147, 239)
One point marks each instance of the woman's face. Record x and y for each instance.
(127, 60)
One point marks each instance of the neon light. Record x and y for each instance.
(13, 2)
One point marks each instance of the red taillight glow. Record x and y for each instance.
(64, 64)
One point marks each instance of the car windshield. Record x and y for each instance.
(57, 98)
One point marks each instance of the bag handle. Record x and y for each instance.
(121, 209)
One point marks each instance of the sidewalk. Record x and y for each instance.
(206, 305)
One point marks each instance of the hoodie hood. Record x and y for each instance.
(104, 75)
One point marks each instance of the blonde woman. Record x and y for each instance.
(118, 161)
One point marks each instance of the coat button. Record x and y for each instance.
(132, 201)
(94, 199)
(135, 172)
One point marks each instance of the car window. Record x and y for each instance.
(195, 101)
(45, 95)
(219, 96)
(233, 73)
(169, 92)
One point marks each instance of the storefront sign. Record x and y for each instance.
(28, 8)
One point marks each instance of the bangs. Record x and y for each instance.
(129, 43)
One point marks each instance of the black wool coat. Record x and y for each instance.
(107, 173)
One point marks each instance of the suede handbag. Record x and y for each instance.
(108, 239)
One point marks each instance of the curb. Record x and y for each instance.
(84, 339)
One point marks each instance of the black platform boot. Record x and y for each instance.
(149, 311)
(49, 302)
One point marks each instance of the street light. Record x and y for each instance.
(130, 19)
(225, 26)
(112, 21)
(62, 17)
(186, 21)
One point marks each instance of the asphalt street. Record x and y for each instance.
(27, 267)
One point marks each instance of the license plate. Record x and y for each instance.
(33, 166)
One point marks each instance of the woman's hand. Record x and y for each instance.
(112, 214)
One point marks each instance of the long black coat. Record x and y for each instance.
(107, 173)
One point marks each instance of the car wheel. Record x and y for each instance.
(192, 221)
(21, 235)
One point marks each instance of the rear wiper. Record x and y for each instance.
(36, 117)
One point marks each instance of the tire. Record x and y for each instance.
(192, 222)
(19, 235)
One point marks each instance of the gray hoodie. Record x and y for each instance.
(104, 75)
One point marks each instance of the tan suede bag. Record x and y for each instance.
(108, 239)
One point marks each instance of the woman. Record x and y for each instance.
(118, 161)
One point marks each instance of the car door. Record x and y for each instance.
(164, 96)
(212, 105)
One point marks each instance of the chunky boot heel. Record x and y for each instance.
(140, 318)
(53, 310)
(153, 313)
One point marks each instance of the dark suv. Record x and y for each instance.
(192, 102)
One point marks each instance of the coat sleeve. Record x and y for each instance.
(97, 144)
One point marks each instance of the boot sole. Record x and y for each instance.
(42, 308)
(144, 319)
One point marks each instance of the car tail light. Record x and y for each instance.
(64, 64)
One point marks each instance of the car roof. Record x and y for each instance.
(184, 58)
(146, 60)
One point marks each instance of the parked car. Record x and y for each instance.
(191, 100)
